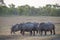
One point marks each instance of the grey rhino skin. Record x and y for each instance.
(28, 27)
(49, 26)
(14, 28)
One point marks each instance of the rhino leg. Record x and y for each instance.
(45, 32)
(51, 32)
(54, 32)
(30, 32)
(37, 31)
(41, 32)
(23, 32)
(54, 29)
(33, 33)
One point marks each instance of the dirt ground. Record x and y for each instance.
(7, 22)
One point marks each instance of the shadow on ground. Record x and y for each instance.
(57, 37)
(6, 37)
(19, 37)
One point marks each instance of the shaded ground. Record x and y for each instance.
(19, 37)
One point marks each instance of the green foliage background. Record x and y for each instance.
(26, 10)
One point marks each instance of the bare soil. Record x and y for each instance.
(7, 22)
